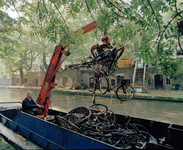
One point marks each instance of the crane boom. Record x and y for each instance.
(87, 28)
(44, 97)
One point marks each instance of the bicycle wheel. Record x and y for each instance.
(79, 115)
(103, 84)
(124, 94)
(99, 109)
(108, 118)
(66, 124)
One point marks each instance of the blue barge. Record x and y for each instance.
(48, 135)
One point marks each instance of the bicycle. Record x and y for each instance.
(108, 59)
(123, 90)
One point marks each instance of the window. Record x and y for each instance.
(119, 78)
(25, 80)
(112, 82)
(128, 81)
(17, 80)
(167, 81)
(65, 81)
(91, 82)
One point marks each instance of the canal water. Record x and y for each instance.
(170, 112)
(4, 145)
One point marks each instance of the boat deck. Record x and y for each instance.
(10, 105)
(12, 137)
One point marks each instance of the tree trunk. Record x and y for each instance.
(44, 61)
(21, 75)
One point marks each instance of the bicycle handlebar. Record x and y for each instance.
(111, 51)
(120, 48)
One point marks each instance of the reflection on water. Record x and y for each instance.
(156, 110)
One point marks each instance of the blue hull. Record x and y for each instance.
(52, 136)
(46, 134)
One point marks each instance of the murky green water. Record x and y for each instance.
(156, 110)
(4, 145)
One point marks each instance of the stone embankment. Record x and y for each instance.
(158, 95)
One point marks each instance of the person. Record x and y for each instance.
(29, 106)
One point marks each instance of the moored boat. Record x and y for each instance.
(47, 133)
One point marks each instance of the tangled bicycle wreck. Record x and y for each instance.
(104, 65)
(100, 123)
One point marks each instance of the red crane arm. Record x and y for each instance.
(54, 66)
(87, 28)
(49, 79)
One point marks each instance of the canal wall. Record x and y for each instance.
(69, 79)
(137, 96)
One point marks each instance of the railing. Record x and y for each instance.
(134, 73)
(144, 75)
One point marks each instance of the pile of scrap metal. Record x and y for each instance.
(100, 123)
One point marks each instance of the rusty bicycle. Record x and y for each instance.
(107, 64)
(123, 90)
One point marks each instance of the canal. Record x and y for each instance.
(169, 112)
(5, 145)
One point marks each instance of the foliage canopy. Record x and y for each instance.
(156, 24)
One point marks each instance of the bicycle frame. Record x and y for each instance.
(108, 59)
(109, 87)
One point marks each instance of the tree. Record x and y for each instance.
(44, 49)
(22, 58)
(124, 22)
(9, 27)
(17, 47)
